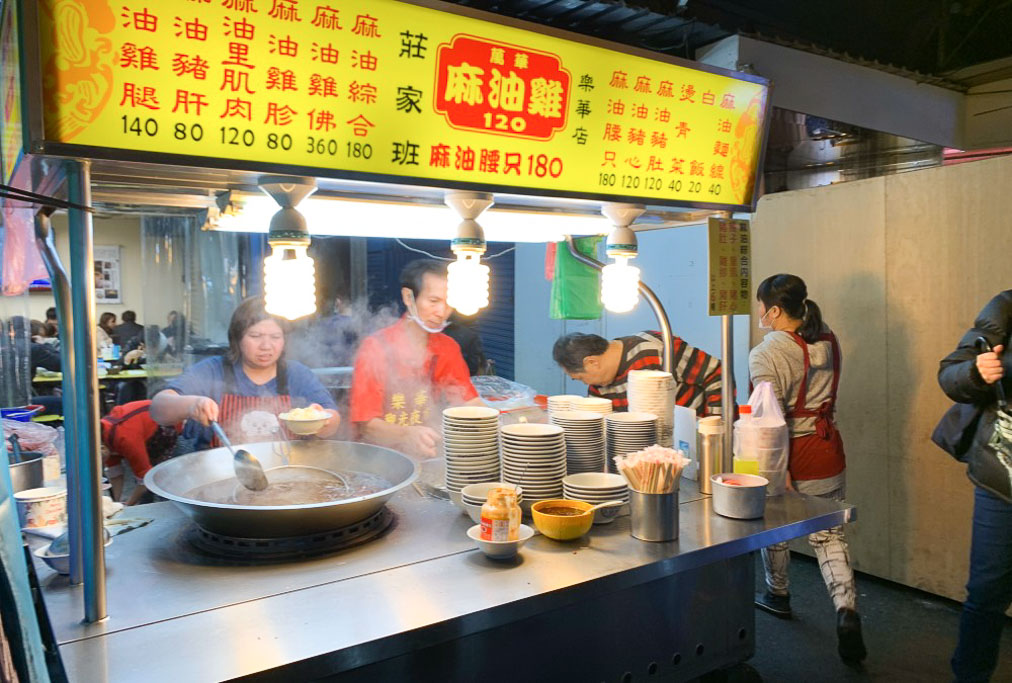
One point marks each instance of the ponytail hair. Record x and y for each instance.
(791, 295)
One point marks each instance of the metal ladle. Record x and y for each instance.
(247, 468)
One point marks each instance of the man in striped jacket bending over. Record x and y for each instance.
(604, 366)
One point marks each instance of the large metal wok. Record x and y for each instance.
(174, 478)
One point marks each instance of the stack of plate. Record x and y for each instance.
(584, 440)
(534, 456)
(561, 403)
(597, 487)
(593, 404)
(628, 433)
(471, 446)
(653, 391)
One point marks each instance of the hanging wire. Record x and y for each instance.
(443, 258)
(10, 192)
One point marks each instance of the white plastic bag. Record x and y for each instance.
(765, 438)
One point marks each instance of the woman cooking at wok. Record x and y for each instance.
(245, 390)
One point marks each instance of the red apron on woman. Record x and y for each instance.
(251, 419)
(819, 455)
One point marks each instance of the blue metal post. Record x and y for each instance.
(87, 440)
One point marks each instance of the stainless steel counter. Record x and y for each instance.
(177, 615)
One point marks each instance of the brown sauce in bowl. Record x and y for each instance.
(561, 511)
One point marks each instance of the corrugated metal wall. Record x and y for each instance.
(386, 258)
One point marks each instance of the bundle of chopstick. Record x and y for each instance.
(653, 470)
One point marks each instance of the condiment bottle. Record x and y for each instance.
(510, 498)
(495, 517)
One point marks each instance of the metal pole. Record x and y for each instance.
(727, 390)
(44, 240)
(85, 386)
(727, 381)
(648, 294)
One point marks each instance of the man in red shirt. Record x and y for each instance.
(406, 373)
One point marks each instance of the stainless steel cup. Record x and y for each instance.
(27, 474)
(654, 515)
(710, 453)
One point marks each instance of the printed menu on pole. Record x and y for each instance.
(730, 267)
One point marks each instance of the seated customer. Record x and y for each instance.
(103, 334)
(127, 330)
(604, 367)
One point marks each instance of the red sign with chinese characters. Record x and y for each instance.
(499, 88)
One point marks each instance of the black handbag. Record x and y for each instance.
(955, 431)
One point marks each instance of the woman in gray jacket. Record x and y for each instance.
(800, 358)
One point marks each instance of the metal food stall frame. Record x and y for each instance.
(710, 570)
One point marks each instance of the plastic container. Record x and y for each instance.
(500, 516)
(41, 507)
(739, 496)
(745, 465)
(745, 460)
(773, 466)
(709, 449)
(20, 414)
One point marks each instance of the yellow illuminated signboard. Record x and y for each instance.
(730, 267)
(11, 140)
(394, 90)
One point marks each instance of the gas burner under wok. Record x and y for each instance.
(290, 547)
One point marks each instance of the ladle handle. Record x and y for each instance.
(220, 433)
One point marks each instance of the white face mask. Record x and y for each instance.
(413, 315)
(763, 325)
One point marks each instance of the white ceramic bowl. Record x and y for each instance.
(596, 480)
(471, 413)
(500, 550)
(60, 563)
(532, 430)
(303, 427)
(480, 491)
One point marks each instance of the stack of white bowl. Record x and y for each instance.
(584, 440)
(628, 433)
(474, 496)
(653, 391)
(597, 487)
(561, 403)
(534, 457)
(593, 404)
(471, 446)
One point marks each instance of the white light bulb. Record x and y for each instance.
(290, 282)
(467, 283)
(620, 286)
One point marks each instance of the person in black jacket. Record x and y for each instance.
(127, 330)
(968, 376)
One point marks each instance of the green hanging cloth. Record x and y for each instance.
(576, 287)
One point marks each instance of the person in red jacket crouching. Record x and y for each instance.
(129, 433)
